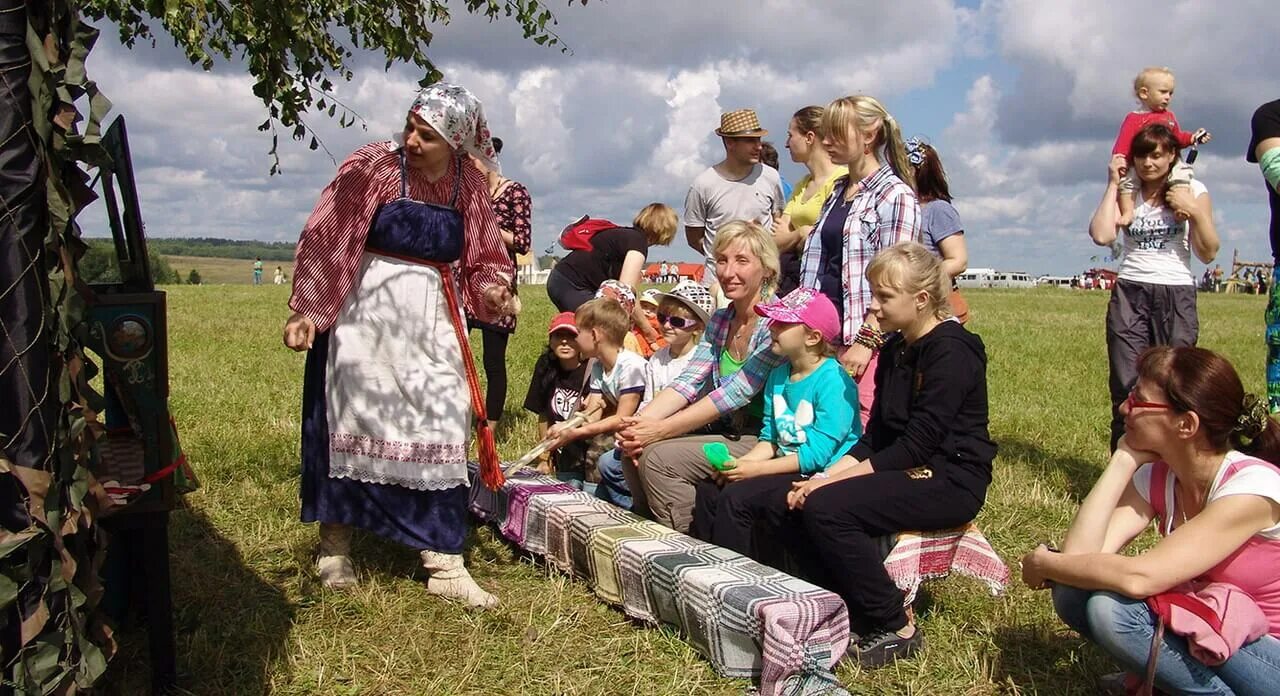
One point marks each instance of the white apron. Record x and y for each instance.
(398, 405)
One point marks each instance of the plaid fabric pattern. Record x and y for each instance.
(605, 546)
(747, 619)
(122, 458)
(883, 212)
(913, 557)
(703, 368)
(514, 526)
(535, 540)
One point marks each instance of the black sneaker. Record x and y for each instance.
(879, 648)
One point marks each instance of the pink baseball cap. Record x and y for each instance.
(804, 306)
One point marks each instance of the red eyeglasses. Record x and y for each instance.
(1132, 402)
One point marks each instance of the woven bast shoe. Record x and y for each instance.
(334, 564)
(449, 578)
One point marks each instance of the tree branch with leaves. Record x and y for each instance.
(297, 49)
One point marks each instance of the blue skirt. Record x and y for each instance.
(422, 520)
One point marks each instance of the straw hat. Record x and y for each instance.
(742, 123)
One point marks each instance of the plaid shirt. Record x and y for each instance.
(732, 393)
(885, 212)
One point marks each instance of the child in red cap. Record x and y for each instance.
(555, 393)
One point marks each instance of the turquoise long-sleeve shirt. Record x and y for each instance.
(815, 419)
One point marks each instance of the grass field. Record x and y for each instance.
(222, 271)
(251, 617)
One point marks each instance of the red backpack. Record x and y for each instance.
(576, 236)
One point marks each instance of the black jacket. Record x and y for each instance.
(931, 408)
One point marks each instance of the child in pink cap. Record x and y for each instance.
(810, 412)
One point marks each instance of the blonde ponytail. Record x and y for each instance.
(868, 114)
(895, 151)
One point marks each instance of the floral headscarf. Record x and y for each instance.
(458, 116)
(619, 291)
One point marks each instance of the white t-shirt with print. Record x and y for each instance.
(626, 377)
(1156, 248)
(661, 370)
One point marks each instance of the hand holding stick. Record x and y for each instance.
(578, 419)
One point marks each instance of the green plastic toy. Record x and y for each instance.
(717, 454)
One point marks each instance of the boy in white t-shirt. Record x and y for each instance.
(682, 315)
(616, 384)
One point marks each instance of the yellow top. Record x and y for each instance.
(805, 212)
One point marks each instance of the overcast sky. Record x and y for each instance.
(1021, 98)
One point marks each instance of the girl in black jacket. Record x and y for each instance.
(923, 464)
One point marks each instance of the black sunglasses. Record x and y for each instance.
(675, 322)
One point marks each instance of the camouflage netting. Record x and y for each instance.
(51, 637)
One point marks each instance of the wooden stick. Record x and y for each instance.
(575, 421)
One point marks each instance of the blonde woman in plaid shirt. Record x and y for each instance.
(719, 387)
(871, 209)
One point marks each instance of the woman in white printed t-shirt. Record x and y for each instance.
(1154, 299)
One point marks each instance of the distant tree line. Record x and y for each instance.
(99, 265)
(218, 248)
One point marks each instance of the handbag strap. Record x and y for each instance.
(1153, 656)
(1163, 604)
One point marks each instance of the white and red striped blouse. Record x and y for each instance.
(332, 242)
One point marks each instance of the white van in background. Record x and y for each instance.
(976, 278)
(1054, 281)
(1012, 279)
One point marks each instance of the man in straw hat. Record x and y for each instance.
(739, 187)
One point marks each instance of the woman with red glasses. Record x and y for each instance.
(1196, 458)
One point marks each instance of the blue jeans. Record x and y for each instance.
(613, 485)
(575, 479)
(1123, 628)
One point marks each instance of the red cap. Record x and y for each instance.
(562, 322)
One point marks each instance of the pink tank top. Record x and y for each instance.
(1253, 566)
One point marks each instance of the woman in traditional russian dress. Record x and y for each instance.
(401, 239)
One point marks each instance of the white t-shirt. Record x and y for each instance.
(661, 370)
(713, 201)
(626, 377)
(1254, 480)
(1156, 246)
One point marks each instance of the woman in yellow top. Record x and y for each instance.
(805, 205)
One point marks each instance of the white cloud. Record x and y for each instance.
(693, 97)
(627, 118)
(536, 102)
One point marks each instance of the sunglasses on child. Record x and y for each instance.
(675, 322)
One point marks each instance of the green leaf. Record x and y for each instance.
(8, 591)
(12, 541)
